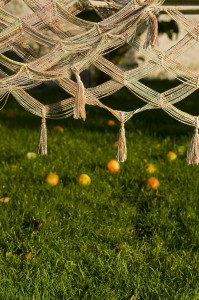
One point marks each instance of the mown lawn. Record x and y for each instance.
(113, 239)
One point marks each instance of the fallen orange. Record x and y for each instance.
(52, 179)
(113, 166)
(151, 168)
(10, 115)
(111, 123)
(84, 180)
(115, 145)
(152, 183)
(58, 129)
(156, 146)
(171, 155)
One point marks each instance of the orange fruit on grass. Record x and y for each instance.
(10, 115)
(171, 155)
(13, 167)
(84, 180)
(31, 155)
(113, 166)
(115, 145)
(181, 150)
(152, 183)
(58, 129)
(111, 123)
(151, 168)
(156, 146)
(52, 179)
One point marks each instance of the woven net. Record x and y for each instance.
(76, 44)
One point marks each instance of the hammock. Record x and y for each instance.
(75, 44)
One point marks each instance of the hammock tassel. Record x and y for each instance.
(42, 150)
(193, 151)
(121, 154)
(79, 110)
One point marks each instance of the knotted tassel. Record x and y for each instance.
(193, 151)
(121, 154)
(79, 110)
(42, 150)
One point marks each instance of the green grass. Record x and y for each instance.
(108, 241)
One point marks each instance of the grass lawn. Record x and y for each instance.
(113, 239)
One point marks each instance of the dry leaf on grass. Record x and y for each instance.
(28, 255)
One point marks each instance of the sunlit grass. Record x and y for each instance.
(110, 240)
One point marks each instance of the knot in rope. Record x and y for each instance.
(162, 59)
(143, 2)
(197, 124)
(161, 101)
(84, 4)
(43, 114)
(113, 5)
(98, 28)
(149, 2)
(197, 29)
(197, 82)
(75, 71)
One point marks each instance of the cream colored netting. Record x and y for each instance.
(75, 44)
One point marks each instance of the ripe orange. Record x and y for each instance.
(10, 115)
(115, 145)
(52, 179)
(113, 166)
(181, 150)
(84, 180)
(152, 183)
(151, 168)
(58, 129)
(156, 146)
(13, 167)
(171, 155)
(111, 123)
(31, 155)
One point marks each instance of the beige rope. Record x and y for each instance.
(80, 44)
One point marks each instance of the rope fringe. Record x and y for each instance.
(42, 150)
(193, 151)
(121, 154)
(79, 110)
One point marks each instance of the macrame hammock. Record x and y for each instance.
(77, 44)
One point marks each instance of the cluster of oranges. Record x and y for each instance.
(114, 167)
(153, 182)
(53, 179)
